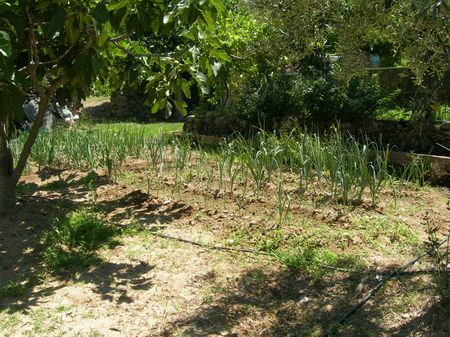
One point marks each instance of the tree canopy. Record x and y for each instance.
(59, 48)
(417, 31)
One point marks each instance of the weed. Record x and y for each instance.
(8, 321)
(395, 231)
(416, 171)
(14, 289)
(74, 240)
(316, 261)
(283, 202)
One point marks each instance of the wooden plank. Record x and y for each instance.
(440, 163)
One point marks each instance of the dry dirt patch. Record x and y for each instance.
(150, 286)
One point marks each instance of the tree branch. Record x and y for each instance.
(32, 61)
(38, 121)
(45, 94)
(129, 52)
(3, 137)
(59, 58)
(121, 37)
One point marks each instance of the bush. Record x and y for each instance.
(317, 96)
(266, 100)
(314, 94)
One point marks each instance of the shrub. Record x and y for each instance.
(313, 94)
(266, 100)
(317, 96)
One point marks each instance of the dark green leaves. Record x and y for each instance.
(10, 95)
(57, 21)
(100, 15)
(220, 55)
(218, 4)
(5, 44)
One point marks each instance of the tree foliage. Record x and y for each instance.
(58, 48)
(418, 30)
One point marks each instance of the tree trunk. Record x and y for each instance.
(7, 195)
(7, 181)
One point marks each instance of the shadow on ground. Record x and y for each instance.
(21, 245)
(287, 303)
(259, 302)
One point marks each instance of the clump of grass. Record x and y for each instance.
(9, 320)
(416, 171)
(307, 257)
(395, 231)
(74, 240)
(283, 202)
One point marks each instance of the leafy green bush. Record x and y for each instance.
(74, 240)
(313, 94)
(317, 96)
(266, 99)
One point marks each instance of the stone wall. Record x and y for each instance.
(401, 135)
(129, 103)
(405, 136)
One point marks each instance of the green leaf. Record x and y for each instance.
(200, 76)
(101, 15)
(220, 55)
(186, 89)
(103, 37)
(181, 106)
(11, 97)
(57, 21)
(5, 44)
(218, 4)
(168, 109)
(207, 15)
(155, 107)
(97, 64)
(216, 67)
(167, 18)
(118, 5)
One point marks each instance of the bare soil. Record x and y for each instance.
(154, 286)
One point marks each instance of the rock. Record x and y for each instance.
(445, 126)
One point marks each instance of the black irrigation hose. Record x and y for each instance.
(361, 302)
(202, 245)
(259, 252)
(241, 250)
(364, 299)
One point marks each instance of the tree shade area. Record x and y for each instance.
(224, 167)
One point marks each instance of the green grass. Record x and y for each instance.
(316, 261)
(14, 289)
(146, 130)
(8, 320)
(74, 240)
(383, 230)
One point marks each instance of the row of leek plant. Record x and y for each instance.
(342, 166)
